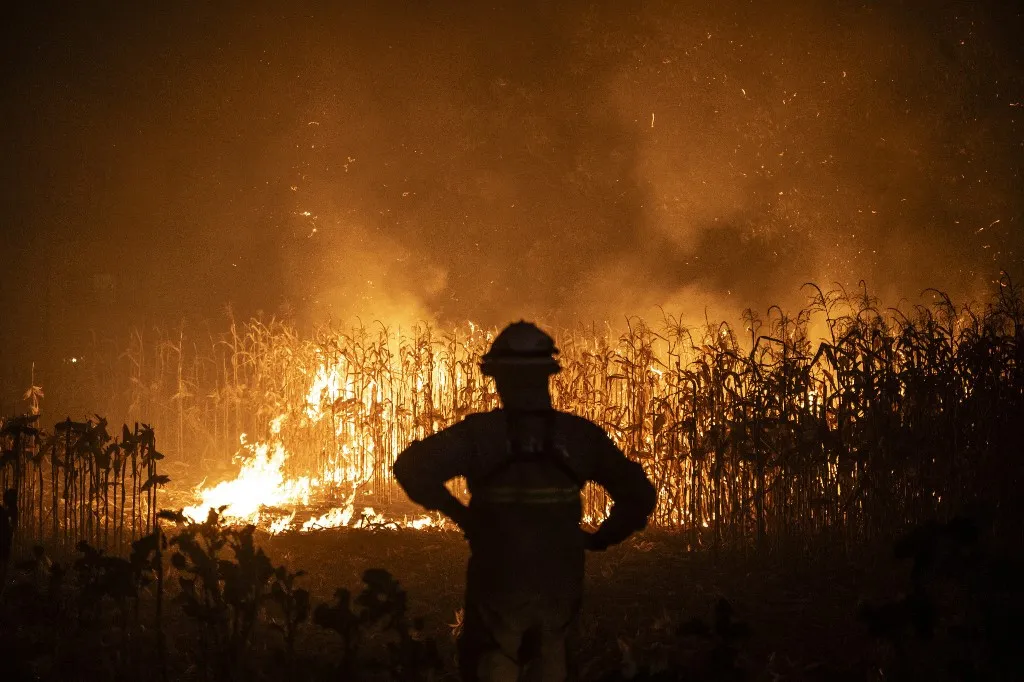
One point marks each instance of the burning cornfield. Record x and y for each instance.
(252, 251)
(754, 434)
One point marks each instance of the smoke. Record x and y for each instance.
(445, 161)
(832, 146)
(590, 163)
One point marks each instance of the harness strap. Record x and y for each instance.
(549, 454)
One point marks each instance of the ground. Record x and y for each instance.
(653, 610)
(801, 611)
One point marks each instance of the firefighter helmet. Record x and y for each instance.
(521, 346)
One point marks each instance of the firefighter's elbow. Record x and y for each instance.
(400, 471)
(414, 477)
(649, 500)
(645, 495)
(405, 462)
(406, 476)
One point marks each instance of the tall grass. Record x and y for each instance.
(756, 434)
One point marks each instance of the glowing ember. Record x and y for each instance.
(336, 518)
(425, 522)
(371, 518)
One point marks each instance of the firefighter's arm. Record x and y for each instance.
(423, 468)
(633, 496)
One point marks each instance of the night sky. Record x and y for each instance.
(454, 160)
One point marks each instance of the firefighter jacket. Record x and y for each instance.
(524, 471)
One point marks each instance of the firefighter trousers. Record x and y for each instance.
(528, 640)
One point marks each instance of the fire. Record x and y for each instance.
(745, 438)
(425, 522)
(260, 484)
(264, 494)
(282, 524)
(336, 518)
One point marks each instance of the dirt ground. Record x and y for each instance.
(801, 611)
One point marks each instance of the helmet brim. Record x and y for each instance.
(491, 366)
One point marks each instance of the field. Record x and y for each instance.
(759, 431)
(839, 507)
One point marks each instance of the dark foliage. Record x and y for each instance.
(8, 525)
(959, 616)
(381, 606)
(224, 580)
(80, 483)
(697, 649)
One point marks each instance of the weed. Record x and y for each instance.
(380, 605)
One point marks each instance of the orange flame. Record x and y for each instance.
(262, 490)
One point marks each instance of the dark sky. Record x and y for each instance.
(462, 160)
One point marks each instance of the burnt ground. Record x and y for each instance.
(801, 611)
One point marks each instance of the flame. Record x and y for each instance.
(336, 518)
(262, 488)
(282, 524)
(371, 518)
(425, 522)
(260, 483)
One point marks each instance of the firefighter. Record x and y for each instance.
(524, 466)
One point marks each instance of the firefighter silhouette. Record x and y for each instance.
(525, 466)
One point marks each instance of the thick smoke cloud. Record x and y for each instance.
(454, 160)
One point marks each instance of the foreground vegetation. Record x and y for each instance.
(207, 602)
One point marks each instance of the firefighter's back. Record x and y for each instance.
(525, 488)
